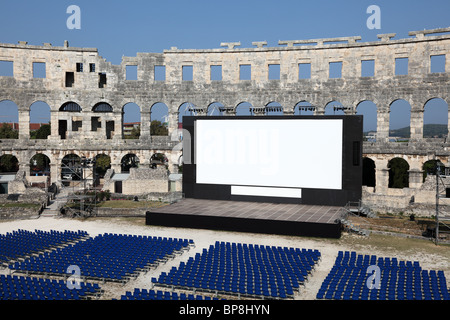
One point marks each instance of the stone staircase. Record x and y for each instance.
(53, 209)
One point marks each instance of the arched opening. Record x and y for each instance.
(129, 161)
(304, 108)
(103, 119)
(9, 165)
(101, 164)
(215, 109)
(244, 109)
(9, 120)
(400, 120)
(186, 109)
(71, 168)
(131, 121)
(398, 173)
(334, 108)
(39, 120)
(158, 159)
(369, 111)
(40, 165)
(368, 177)
(159, 119)
(429, 168)
(435, 119)
(274, 109)
(69, 120)
(102, 107)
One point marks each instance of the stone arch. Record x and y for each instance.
(304, 108)
(40, 116)
(398, 173)
(368, 109)
(334, 107)
(186, 109)
(274, 108)
(244, 108)
(70, 106)
(9, 164)
(71, 168)
(158, 159)
(102, 107)
(215, 109)
(102, 162)
(130, 160)
(9, 119)
(159, 119)
(435, 118)
(40, 165)
(369, 172)
(400, 118)
(131, 120)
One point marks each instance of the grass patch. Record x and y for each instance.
(130, 204)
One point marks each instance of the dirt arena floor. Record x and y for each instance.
(382, 244)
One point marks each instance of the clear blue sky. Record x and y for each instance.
(119, 28)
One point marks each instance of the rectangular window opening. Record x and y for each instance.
(245, 72)
(91, 67)
(367, 68)
(79, 67)
(304, 70)
(6, 68)
(437, 63)
(188, 73)
(131, 72)
(70, 79)
(335, 71)
(102, 80)
(274, 72)
(39, 70)
(401, 66)
(216, 73)
(160, 73)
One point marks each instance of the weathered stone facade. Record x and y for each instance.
(100, 81)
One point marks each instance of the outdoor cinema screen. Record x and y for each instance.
(300, 159)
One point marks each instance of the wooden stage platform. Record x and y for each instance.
(255, 217)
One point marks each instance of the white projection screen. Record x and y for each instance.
(288, 153)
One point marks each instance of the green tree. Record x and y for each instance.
(157, 128)
(42, 133)
(9, 163)
(102, 164)
(135, 133)
(7, 132)
(398, 173)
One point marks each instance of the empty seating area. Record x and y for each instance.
(106, 257)
(399, 280)
(32, 288)
(22, 243)
(246, 270)
(144, 294)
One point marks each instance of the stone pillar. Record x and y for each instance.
(173, 123)
(24, 124)
(118, 125)
(381, 180)
(55, 174)
(416, 125)
(415, 178)
(382, 126)
(25, 167)
(54, 125)
(145, 125)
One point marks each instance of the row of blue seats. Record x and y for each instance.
(398, 280)
(108, 257)
(20, 243)
(32, 288)
(230, 268)
(144, 294)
